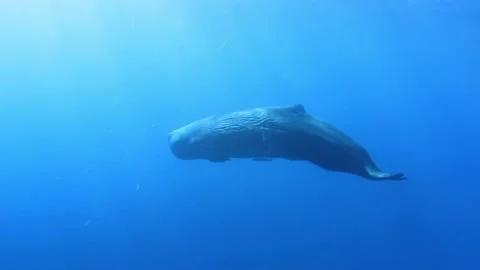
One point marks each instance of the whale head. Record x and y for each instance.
(182, 145)
(190, 141)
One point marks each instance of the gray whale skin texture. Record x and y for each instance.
(263, 134)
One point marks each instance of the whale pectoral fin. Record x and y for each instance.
(218, 159)
(261, 159)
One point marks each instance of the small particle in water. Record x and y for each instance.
(138, 187)
(223, 44)
(86, 223)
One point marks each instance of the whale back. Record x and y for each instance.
(288, 119)
(241, 132)
(296, 118)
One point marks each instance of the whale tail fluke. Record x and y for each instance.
(388, 176)
(376, 174)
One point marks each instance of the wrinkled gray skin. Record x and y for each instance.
(277, 132)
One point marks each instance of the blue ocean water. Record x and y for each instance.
(90, 89)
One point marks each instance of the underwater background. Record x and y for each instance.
(90, 89)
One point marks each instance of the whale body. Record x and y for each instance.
(267, 133)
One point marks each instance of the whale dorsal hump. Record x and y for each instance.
(296, 108)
